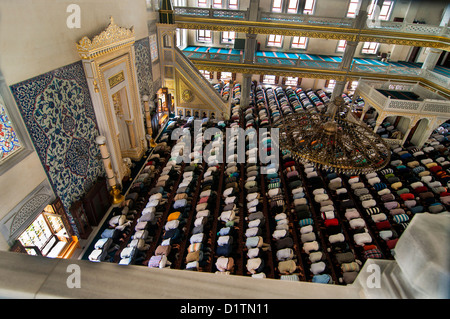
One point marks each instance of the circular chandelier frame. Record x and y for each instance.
(332, 142)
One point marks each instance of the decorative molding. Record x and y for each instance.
(26, 211)
(116, 79)
(313, 73)
(315, 31)
(187, 96)
(111, 39)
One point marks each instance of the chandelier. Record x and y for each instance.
(331, 141)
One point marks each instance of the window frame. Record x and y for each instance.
(215, 5)
(299, 38)
(43, 221)
(18, 125)
(202, 38)
(202, 3)
(227, 42)
(274, 43)
(206, 74)
(352, 86)
(365, 50)
(289, 78)
(280, 7)
(371, 9)
(387, 16)
(294, 11)
(353, 14)
(265, 80)
(309, 11)
(340, 46)
(227, 79)
(333, 84)
(229, 6)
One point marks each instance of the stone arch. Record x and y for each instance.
(420, 132)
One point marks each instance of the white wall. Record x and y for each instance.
(17, 183)
(45, 43)
(430, 12)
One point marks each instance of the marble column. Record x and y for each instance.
(249, 55)
(116, 195)
(338, 89)
(106, 158)
(246, 87)
(148, 120)
(431, 59)
(364, 111)
(347, 57)
(253, 10)
(378, 123)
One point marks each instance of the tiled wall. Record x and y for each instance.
(59, 115)
(143, 64)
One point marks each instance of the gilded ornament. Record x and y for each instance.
(187, 96)
(111, 39)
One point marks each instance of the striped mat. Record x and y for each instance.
(274, 57)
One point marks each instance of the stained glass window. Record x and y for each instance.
(9, 141)
(37, 234)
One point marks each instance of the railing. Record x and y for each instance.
(404, 27)
(297, 62)
(306, 19)
(384, 103)
(212, 13)
(415, 28)
(386, 69)
(239, 58)
(214, 56)
(434, 77)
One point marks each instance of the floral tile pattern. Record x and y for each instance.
(143, 63)
(59, 115)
